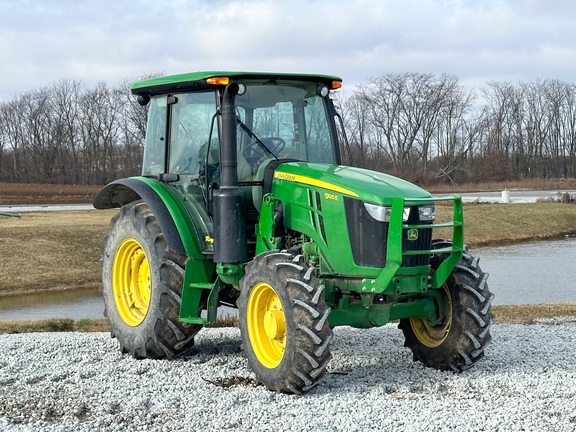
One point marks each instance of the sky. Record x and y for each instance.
(44, 41)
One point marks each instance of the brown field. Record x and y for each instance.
(52, 250)
(499, 224)
(59, 250)
(23, 193)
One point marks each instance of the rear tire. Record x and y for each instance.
(459, 340)
(284, 322)
(142, 278)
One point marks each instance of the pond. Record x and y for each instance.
(75, 304)
(539, 272)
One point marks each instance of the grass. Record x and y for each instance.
(531, 313)
(61, 250)
(54, 325)
(52, 250)
(498, 224)
(29, 326)
(83, 325)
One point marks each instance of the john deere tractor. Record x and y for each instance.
(244, 202)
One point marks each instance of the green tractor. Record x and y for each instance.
(243, 202)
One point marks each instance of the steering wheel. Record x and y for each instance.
(254, 150)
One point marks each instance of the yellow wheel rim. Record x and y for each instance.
(131, 282)
(434, 336)
(266, 325)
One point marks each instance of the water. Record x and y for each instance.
(540, 272)
(75, 304)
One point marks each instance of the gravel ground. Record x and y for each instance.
(81, 382)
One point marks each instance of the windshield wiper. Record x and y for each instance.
(255, 138)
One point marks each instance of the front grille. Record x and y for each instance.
(422, 242)
(416, 239)
(368, 237)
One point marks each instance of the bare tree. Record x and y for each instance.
(404, 114)
(65, 107)
(418, 126)
(458, 132)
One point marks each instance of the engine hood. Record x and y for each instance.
(363, 184)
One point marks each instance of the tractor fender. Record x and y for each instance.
(172, 217)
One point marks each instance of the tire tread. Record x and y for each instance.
(161, 334)
(472, 334)
(307, 360)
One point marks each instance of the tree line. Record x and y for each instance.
(423, 127)
(71, 134)
(431, 128)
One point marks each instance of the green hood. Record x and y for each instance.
(366, 185)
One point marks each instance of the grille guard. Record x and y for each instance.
(395, 251)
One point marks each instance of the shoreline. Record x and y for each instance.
(509, 242)
(524, 314)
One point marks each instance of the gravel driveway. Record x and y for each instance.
(81, 382)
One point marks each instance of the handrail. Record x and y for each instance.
(396, 229)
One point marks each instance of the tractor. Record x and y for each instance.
(243, 201)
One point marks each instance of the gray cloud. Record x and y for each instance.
(105, 40)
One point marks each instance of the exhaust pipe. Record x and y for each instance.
(228, 202)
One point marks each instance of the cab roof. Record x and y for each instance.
(198, 81)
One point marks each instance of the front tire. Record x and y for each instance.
(284, 322)
(458, 341)
(142, 278)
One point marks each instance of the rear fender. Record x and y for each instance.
(171, 215)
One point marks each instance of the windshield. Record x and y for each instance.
(284, 119)
(276, 120)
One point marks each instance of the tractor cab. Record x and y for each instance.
(276, 118)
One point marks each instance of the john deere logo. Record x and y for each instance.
(413, 234)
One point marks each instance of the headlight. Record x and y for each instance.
(382, 213)
(427, 213)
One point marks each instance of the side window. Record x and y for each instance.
(190, 122)
(154, 151)
(318, 134)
